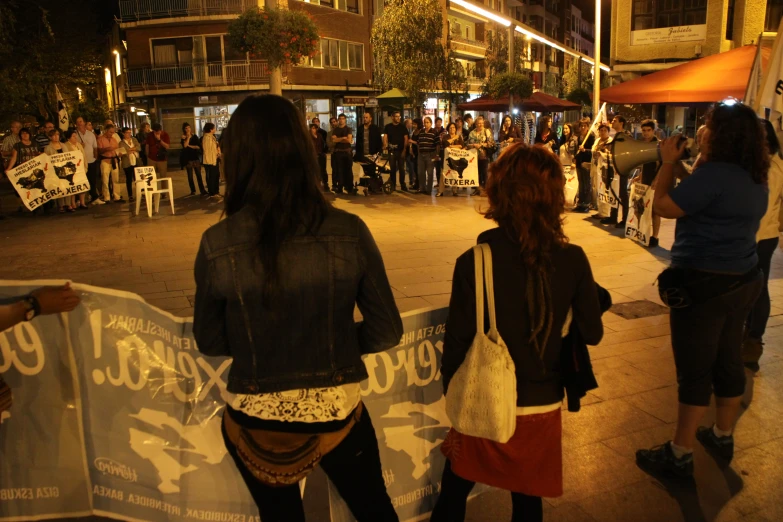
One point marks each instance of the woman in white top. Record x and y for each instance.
(767, 240)
(65, 203)
(211, 150)
(73, 144)
(130, 160)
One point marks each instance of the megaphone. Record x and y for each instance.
(627, 154)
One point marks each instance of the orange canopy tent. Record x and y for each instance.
(705, 80)
(538, 102)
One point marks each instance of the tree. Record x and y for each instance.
(581, 96)
(552, 84)
(46, 43)
(454, 81)
(509, 84)
(497, 53)
(407, 49)
(279, 36)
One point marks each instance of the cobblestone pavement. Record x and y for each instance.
(420, 237)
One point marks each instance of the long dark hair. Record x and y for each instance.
(735, 135)
(543, 125)
(271, 166)
(773, 145)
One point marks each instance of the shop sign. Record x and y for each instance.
(355, 100)
(372, 102)
(667, 35)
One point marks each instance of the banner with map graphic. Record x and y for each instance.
(117, 414)
(45, 178)
(460, 168)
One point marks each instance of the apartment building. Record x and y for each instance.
(175, 63)
(653, 35)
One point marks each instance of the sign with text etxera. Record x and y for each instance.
(664, 35)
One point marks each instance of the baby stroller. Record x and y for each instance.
(372, 181)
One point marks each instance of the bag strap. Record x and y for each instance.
(479, 273)
(489, 283)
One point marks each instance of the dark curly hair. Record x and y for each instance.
(526, 198)
(735, 135)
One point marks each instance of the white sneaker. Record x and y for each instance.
(98, 202)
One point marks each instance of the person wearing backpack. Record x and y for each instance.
(508, 434)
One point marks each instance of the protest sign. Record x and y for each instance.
(571, 187)
(460, 168)
(117, 414)
(639, 225)
(41, 180)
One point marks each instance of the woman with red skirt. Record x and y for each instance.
(538, 278)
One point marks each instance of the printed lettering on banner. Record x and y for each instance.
(41, 180)
(460, 168)
(124, 416)
(639, 225)
(571, 187)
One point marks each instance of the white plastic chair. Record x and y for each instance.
(148, 183)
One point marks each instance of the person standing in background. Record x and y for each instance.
(130, 159)
(65, 203)
(584, 158)
(110, 153)
(428, 145)
(440, 132)
(42, 138)
(190, 158)
(767, 239)
(649, 172)
(72, 144)
(320, 150)
(211, 154)
(342, 137)
(158, 144)
(618, 126)
(141, 137)
(90, 144)
(332, 158)
(9, 141)
(481, 139)
(545, 136)
(368, 144)
(395, 140)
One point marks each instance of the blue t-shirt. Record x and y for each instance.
(723, 207)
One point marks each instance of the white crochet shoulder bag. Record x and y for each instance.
(482, 397)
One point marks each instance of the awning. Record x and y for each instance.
(705, 80)
(393, 94)
(538, 102)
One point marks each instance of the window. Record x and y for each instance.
(189, 50)
(356, 56)
(774, 15)
(653, 14)
(352, 6)
(330, 53)
(337, 54)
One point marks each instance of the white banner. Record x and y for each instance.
(460, 168)
(45, 178)
(639, 222)
(571, 186)
(664, 35)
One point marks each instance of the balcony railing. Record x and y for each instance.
(468, 41)
(135, 10)
(213, 74)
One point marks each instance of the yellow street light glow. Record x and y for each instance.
(483, 12)
(116, 51)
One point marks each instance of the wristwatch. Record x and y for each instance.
(31, 307)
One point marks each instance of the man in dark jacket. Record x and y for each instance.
(368, 143)
(583, 159)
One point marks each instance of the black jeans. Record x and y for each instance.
(322, 169)
(195, 166)
(707, 341)
(354, 467)
(344, 163)
(623, 195)
(94, 178)
(453, 500)
(483, 166)
(397, 164)
(585, 186)
(759, 315)
(333, 163)
(213, 179)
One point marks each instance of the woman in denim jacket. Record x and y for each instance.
(277, 283)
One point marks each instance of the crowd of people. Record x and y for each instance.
(110, 150)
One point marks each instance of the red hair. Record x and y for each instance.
(526, 198)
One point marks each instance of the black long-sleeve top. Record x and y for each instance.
(572, 286)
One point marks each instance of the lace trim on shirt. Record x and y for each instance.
(307, 405)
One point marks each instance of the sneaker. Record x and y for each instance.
(403, 187)
(653, 242)
(98, 202)
(661, 459)
(752, 350)
(596, 216)
(621, 224)
(608, 221)
(722, 447)
(581, 210)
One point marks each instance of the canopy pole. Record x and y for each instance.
(597, 60)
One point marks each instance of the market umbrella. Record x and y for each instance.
(393, 98)
(538, 102)
(705, 80)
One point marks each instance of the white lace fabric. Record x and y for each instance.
(306, 405)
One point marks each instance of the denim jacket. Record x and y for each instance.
(312, 340)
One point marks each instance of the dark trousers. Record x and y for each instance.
(453, 500)
(143, 156)
(483, 167)
(759, 315)
(623, 196)
(129, 174)
(411, 167)
(354, 467)
(213, 179)
(397, 164)
(707, 342)
(585, 186)
(344, 164)
(195, 167)
(322, 168)
(94, 178)
(333, 164)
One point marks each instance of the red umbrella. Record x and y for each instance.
(538, 102)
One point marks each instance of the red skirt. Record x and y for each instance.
(530, 463)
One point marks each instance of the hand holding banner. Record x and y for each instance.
(460, 168)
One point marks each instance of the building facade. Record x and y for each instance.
(176, 63)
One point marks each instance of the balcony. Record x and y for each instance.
(218, 76)
(467, 41)
(140, 10)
